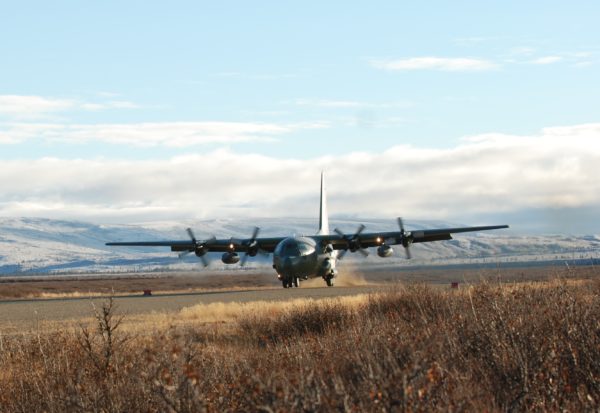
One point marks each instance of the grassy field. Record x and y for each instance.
(487, 347)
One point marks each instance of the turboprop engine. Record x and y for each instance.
(326, 266)
(385, 251)
(230, 258)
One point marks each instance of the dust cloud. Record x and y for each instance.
(348, 276)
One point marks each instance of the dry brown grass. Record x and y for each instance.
(486, 348)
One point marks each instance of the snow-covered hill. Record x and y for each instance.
(36, 245)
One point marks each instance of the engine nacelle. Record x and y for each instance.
(385, 251)
(326, 265)
(230, 258)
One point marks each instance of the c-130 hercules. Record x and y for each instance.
(298, 258)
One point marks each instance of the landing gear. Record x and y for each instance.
(330, 277)
(290, 282)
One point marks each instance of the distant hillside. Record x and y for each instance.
(36, 245)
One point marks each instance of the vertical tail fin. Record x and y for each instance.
(323, 216)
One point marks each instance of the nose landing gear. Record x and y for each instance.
(329, 277)
(290, 282)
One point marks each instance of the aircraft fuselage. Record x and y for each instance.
(302, 258)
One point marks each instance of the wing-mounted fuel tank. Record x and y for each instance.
(385, 251)
(230, 258)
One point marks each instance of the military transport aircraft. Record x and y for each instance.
(298, 258)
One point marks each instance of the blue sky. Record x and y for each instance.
(279, 89)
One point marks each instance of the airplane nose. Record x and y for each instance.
(287, 264)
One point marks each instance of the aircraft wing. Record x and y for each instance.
(341, 241)
(338, 241)
(212, 245)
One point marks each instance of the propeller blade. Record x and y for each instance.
(361, 228)
(183, 254)
(197, 245)
(353, 243)
(401, 224)
(191, 234)
(252, 245)
(204, 260)
(243, 260)
(406, 244)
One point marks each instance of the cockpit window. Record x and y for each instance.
(288, 248)
(291, 248)
(294, 248)
(305, 249)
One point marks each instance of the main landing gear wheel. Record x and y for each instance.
(329, 282)
(296, 282)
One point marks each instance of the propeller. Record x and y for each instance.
(352, 242)
(193, 237)
(252, 247)
(406, 238)
(198, 246)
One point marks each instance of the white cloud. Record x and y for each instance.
(20, 106)
(491, 173)
(459, 64)
(112, 104)
(518, 55)
(255, 76)
(173, 134)
(546, 60)
(349, 104)
(36, 107)
(329, 103)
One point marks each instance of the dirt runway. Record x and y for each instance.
(28, 312)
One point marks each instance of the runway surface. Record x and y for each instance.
(27, 311)
(19, 314)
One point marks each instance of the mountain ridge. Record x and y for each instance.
(48, 246)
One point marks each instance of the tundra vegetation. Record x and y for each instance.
(488, 347)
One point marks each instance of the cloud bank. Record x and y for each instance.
(173, 134)
(520, 55)
(35, 107)
(482, 176)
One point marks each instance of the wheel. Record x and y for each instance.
(284, 283)
(296, 282)
(329, 282)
